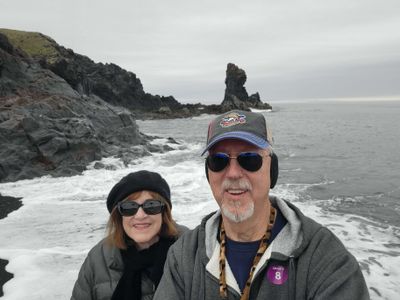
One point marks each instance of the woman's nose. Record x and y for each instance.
(140, 213)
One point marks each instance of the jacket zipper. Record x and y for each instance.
(292, 278)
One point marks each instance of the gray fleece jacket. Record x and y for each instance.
(305, 261)
(101, 271)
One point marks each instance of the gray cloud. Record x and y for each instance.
(298, 49)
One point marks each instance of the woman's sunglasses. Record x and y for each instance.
(250, 161)
(150, 207)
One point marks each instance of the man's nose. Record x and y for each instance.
(234, 170)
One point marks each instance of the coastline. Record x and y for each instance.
(7, 205)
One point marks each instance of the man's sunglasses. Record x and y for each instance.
(250, 161)
(150, 207)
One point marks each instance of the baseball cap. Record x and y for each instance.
(242, 125)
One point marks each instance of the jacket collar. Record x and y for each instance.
(113, 257)
(293, 237)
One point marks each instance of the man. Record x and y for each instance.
(256, 246)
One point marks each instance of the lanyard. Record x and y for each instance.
(261, 249)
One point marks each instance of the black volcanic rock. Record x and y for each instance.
(234, 81)
(106, 81)
(4, 275)
(236, 96)
(7, 205)
(59, 110)
(48, 127)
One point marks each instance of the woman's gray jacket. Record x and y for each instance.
(101, 271)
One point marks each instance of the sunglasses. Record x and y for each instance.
(150, 207)
(250, 161)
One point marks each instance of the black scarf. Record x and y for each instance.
(150, 260)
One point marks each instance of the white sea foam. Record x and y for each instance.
(370, 243)
(203, 117)
(47, 239)
(376, 246)
(260, 110)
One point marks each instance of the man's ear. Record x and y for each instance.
(274, 170)
(206, 169)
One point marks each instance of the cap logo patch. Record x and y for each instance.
(232, 119)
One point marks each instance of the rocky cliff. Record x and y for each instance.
(59, 110)
(57, 125)
(107, 81)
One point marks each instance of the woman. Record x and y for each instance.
(128, 263)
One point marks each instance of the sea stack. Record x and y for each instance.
(236, 96)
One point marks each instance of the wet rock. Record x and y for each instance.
(47, 127)
(8, 204)
(99, 165)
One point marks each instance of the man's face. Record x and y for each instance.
(241, 194)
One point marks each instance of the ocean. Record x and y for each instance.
(339, 163)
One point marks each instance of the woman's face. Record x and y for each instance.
(141, 227)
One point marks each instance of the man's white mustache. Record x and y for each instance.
(236, 184)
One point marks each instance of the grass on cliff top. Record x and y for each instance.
(35, 44)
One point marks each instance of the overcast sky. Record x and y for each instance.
(290, 50)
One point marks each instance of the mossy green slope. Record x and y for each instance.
(35, 44)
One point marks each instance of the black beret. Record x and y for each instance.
(138, 181)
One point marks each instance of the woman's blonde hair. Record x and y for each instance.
(116, 235)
